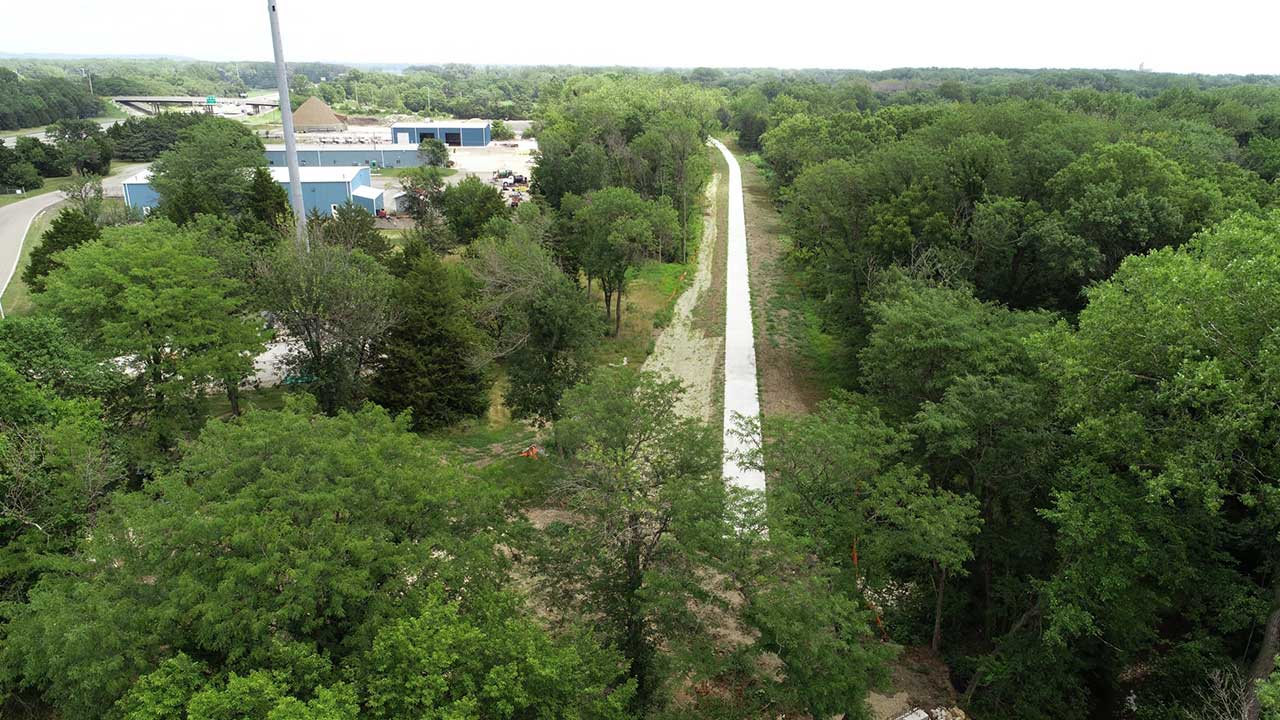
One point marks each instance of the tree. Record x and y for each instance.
(350, 227)
(490, 662)
(843, 482)
(277, 549)
(423, 187)
(468, 205)
(814, 648)
(537, 320)
(1164, 498)
(431, 360)
(43, 351)
(616, 229)
(750, 113)
(499, 130)
(148, 295)
(55, 473)
(209, 170)
(643, 485)
(1269, 697)
(433, 153)
(679, 156)
(267, 216)
(69, 230)
(1025, 257)
(336, 304)
(83, 145)
(45, 158)
(1126, 199)
(16, 172)
(85, 194)
(142, 139)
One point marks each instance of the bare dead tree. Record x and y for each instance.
(1224, 697)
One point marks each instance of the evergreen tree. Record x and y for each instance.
(70, 229)
(430, 357)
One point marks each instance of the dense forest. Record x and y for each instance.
(1055, 304)
(1043, 305)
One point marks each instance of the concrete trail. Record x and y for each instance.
(741, 393)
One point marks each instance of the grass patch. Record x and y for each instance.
(395, 236)
(17, 296)
(262, 120)
(793, 317)
(267, 398)
(647, 307)
(53, 184)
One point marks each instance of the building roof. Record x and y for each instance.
(315, 114)
(356, 147)
(472, 123)
(367, 191)
(335, 173)
(281, 175)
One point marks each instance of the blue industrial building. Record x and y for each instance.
(138, 193)
(455, 133)
(323, 189)
(374, 156)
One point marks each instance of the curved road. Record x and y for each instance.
(16, 219)
(741, 393)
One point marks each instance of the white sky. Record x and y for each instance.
(1226, 36)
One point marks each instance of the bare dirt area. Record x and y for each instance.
(788, 385)
(919, 681)
(685, 350)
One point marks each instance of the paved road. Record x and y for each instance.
(12, 140)
(741, 394)
(16, 218)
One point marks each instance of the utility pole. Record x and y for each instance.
(290, 143)
(89, 75)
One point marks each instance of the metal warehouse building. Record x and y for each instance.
(382, 156)
(323, 189)
(457, 133)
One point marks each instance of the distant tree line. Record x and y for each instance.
(28, 102)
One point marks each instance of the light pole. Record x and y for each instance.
(290, 144)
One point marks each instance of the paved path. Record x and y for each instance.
(16, 219)
(741, 395)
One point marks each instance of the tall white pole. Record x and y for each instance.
(290, 144)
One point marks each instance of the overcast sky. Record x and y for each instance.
(1227, 36)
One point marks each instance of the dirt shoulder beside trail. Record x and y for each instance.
(688, 350)
(788, 385)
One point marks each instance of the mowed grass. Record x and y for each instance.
(17, 296)
(53, 184)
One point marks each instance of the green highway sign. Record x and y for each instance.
(211, 100)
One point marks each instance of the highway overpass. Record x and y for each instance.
(152, 104)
